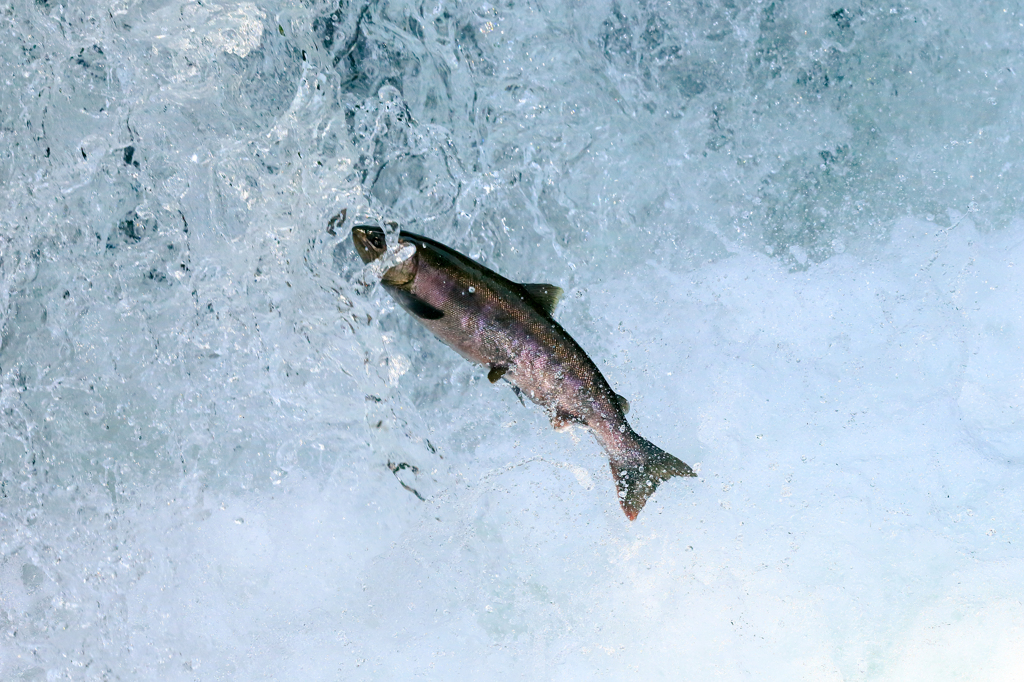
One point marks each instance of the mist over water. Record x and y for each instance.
(790, 233)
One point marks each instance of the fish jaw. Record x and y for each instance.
(369, 242)
(397, 268)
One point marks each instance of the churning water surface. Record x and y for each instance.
(790, 233)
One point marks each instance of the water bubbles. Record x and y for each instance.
(390, 94)
(234, 381)
(799, 253)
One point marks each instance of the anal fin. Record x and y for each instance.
(563, 421)
(496, 373)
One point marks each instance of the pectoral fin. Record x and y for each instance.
(415, 305)
(546, 296)
(496, 373)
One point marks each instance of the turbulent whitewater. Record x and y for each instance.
(791, 233)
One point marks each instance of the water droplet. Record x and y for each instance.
(472, 290)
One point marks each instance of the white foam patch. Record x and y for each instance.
(224, 456)
(204, 29)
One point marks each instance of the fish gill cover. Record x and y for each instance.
(790, 233)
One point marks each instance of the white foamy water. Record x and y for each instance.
(789, 233)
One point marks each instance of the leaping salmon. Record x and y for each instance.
(509, 328)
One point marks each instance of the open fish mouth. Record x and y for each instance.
(369, 242)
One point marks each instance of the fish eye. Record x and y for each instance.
(377, 240)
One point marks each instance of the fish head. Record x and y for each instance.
(370, 243)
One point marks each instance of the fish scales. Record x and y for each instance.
(509, 328)
(493, 321)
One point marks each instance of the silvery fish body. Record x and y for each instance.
(509, 328)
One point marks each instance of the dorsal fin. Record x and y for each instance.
(623, 403)
(546, 296)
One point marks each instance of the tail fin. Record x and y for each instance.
(639, 471)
